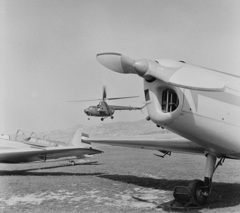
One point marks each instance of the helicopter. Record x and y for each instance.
(103, 110)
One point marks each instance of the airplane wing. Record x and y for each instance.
(162, 142)
(43, 154)
(12, 151)
(125, 107)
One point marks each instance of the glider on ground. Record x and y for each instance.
(35, 150)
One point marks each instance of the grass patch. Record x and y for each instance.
(109, 182)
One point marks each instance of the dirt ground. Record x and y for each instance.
(119, 180)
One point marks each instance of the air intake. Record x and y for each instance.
(170, 101)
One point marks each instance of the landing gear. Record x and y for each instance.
(88, 118)
(197, 191)
(102, 119)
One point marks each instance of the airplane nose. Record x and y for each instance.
(86, 111)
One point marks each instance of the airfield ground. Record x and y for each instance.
(110, 181)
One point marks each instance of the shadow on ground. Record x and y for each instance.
(26, 173)
(222, 194)
(41, 171)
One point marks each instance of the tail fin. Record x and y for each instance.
(77, 139)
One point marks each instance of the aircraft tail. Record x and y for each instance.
(77, 139)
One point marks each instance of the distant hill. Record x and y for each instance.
(141, 127)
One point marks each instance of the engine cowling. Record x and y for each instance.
(166, 101)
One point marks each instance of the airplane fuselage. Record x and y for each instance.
(201, 105)
(19, 152)
(210, 119)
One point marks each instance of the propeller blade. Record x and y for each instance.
(186, 76)
(168, 71)
(195, 78)
(116, 62)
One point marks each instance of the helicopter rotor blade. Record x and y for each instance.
(104, 93)
(121, 98)
(105, 99)
(86, 100)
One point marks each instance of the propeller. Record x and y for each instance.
(171, 72)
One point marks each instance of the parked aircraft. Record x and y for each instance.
(104, 110)
(32, 150)
(201, 105)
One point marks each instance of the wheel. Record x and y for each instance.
(112, 117)
(102, 119)
(88, 118)
(72, 162)
(194, 186)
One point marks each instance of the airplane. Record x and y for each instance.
(200, 105)
(104, 110)
(33, 150)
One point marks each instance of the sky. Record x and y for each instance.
(48, 53)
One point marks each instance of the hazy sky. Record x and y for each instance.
(48, 52)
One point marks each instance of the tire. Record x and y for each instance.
(193, 186)
(72, 162)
